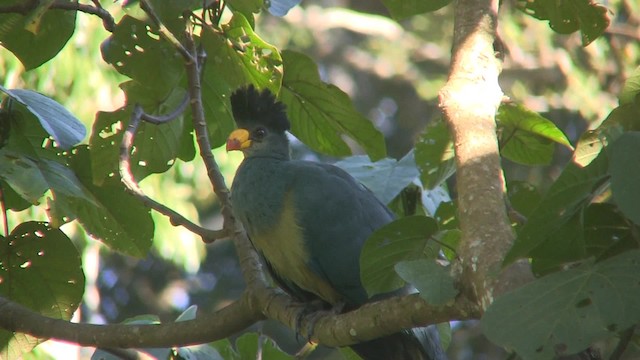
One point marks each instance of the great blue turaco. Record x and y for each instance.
(309, 221)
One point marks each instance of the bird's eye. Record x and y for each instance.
(259, 133)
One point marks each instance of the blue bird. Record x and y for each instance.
(309, 221)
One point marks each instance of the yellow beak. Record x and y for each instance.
(238, 140)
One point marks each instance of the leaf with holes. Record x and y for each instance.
(156, 147)
(34, 48)
(111, 215)
(386, 177)
(403, 239)
(565, 312)
(41, 269)
(136, 50)
(566, 17)
(321, 113)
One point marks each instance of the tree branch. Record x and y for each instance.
(368, 322)
(25, 7)
(469, 101)
(131, 185)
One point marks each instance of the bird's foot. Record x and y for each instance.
(314, 311)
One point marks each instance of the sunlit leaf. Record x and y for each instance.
(631, 88)
(434, 155)
(526, 137)
(41, 269)
(565, 312)
(403, 239)
(321, 113)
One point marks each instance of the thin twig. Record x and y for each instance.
(132, 186)
(25, 7)
(193, 69)
(3, 208)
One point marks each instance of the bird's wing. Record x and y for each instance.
(336, 214)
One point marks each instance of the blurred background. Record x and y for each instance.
(392, 71)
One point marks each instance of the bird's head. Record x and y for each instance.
(262, 123)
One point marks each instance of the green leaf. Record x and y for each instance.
(607, 231)
(403, 239)
(568, 195)
(136, 50)
(631, 88)
(246, 7)
(565, 244)
(526, 137)
(565, 312)
(109, 214)
(433, 281)
(624, 167)
(386, 177)
(65, 128)
(156, 146)
(523, 197)
(321, 113)
(23, 175)
(566, 17)
(41, 269)
(401, 9)
(34, 48)
(434, 155)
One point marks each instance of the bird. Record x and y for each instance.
(309, 221)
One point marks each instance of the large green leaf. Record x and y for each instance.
(57, 121)
(434, 155)
(526, 137)
(566, 17)
(403, 239)
(569, 195)
(631, 88)
(433, 281)
(624, 167)
(321, 113)
(41, 269)
(37, 37)
(106, 212)
(565, 312)
(386, 177)
(608, 232)
(401, 9)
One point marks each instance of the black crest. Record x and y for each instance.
(252, 106)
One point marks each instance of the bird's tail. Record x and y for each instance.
(415, 344)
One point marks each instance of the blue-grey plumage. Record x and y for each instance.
(308, 220)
